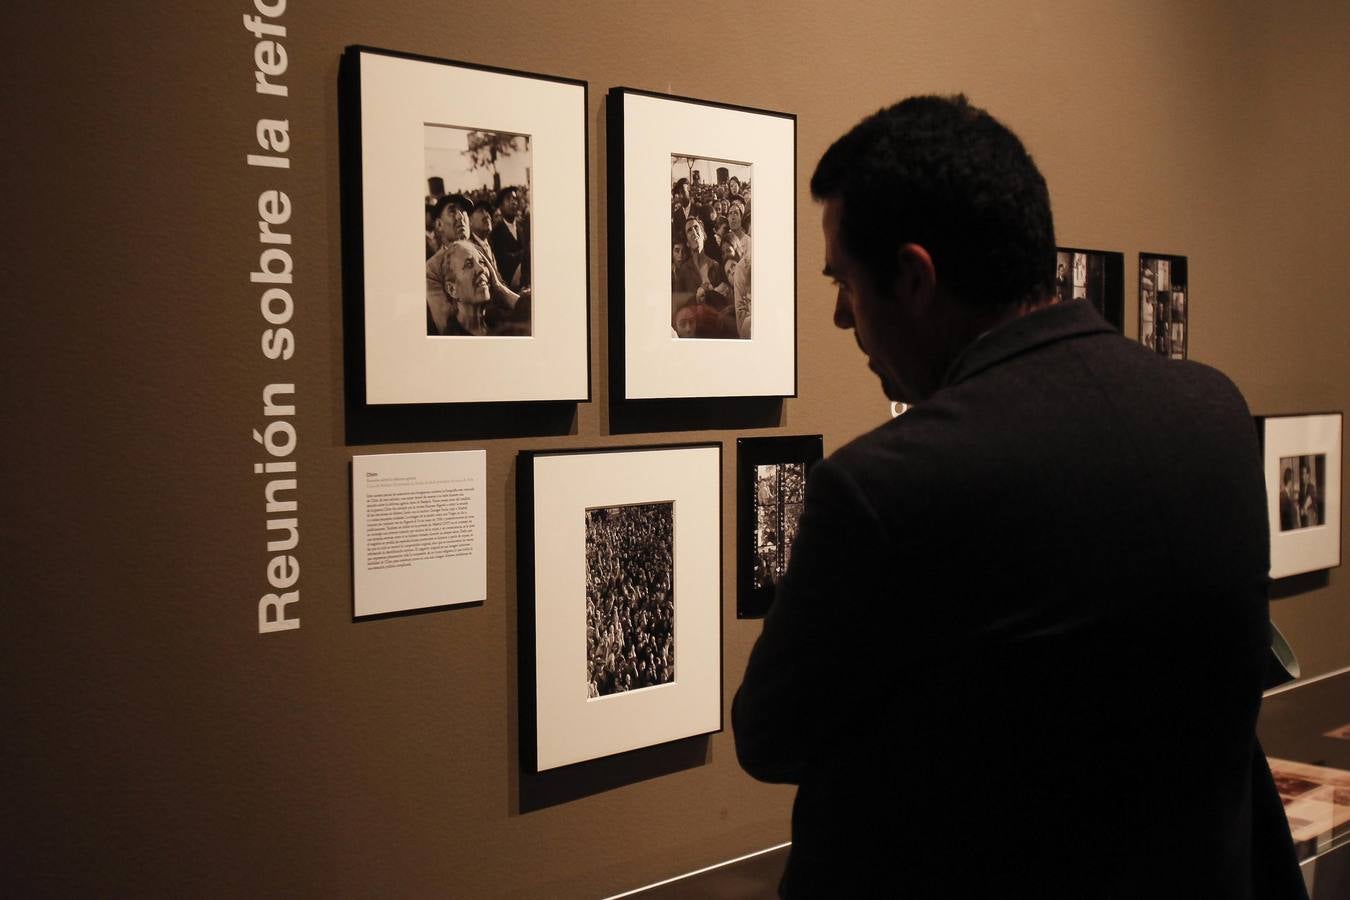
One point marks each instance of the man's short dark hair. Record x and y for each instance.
(946, 175)
(503, 193)
(675, 188)
(484, 206)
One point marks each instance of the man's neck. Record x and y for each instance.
(967, 327)
(1016, 311)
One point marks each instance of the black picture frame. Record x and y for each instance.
(563, 635)
(760, 563)
(1304, 511)
(648, 360)
(389, 102)
(1097, 276)
(1164, 304)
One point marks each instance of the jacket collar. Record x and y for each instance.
(1056, 322)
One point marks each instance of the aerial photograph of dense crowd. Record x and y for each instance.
(630, 598)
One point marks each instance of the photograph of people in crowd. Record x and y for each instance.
(1073, 282)
(780, 491)
(630, 597)
(1162, 304)
(1302, 504)
(477, 219)
(710, 248)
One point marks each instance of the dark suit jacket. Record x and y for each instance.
(1289, 517)
(1019, 649)
(512, 252)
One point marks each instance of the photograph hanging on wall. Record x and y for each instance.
(1301, 456)
(1303, 503)
(771, 477)
(1097, 276)
(630, 597)
(477, 232)
(702, 248)
(620, 599)
(497, 160)
(1164, 304)
(710, 253)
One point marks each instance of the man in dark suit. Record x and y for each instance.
(511, 240)
(972, 670)
(1289, 511)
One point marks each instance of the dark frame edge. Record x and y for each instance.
(461, 63)
(351, 206)
(614, 186)
(527, 715)
(697, 101)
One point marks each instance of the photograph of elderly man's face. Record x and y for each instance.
(477, 222)
(710, 256)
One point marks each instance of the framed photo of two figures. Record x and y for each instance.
(1301, 455)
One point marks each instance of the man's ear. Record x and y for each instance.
(916, 277)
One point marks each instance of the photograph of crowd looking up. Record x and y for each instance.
(709, 248)
(630, 597)
(477, 219)
(1301, 502)
(1162, 305)
(780, 491)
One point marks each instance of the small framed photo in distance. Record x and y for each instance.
(1164, 304)
(1097, 276)
(1301, 455)
(770, 495)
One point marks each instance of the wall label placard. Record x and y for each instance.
(273, 275)
(419, 530)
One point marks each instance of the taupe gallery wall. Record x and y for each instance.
(157, 743)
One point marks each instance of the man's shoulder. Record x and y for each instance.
(436, 263)
(906, 453)
(1187, 387)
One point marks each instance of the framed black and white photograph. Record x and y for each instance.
(1301, 455)
(1164, 304)
(702, 247)
(711, 294)
(1097, 276)
(496, 306)
(620, 599)
(770, 495)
